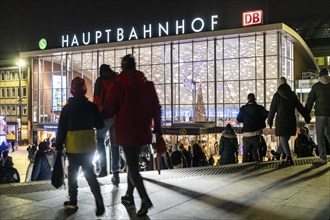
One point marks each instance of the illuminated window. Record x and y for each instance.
(14, 75)
(7, 75)
(320, 61)
(24, 74)
(24, 110)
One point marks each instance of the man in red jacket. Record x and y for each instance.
(135, 103)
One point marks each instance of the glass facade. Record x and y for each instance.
(216, 73)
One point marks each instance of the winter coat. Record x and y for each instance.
(252, 116)
(102, 86)
(76, 126)
(284, 103)
(228, 147)
(320, 95)
(43, 166)
(135, 103)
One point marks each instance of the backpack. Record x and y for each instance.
(9, 175)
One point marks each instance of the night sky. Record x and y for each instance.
(24, 23)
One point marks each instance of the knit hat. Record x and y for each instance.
(104, 68)
(78, 87)
(323, 72)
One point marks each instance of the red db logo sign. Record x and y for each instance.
(252, 18)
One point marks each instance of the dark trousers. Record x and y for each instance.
(85, 161)
(251, 146)
(134, 179)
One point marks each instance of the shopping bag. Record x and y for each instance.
(160, 147)
(58, 172)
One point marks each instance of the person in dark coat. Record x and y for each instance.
(284, 103)
(199, 157)
(253, 117)
(228, 150)
(102, 85)
(43, 163)
(78, 119)
(319, 95)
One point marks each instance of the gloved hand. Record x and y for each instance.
(308, 119)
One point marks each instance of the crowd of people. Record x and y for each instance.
(119, 109)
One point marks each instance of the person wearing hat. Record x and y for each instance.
(284, 103)
(43, 163)
(134, 101)
(228, 150)
(253, 117)
(319, 95)
(102, 86)
(76, 126)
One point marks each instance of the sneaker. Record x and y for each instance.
(320, 161)
(70, 205)
(103, 173)
(127, 200)
(115, 179)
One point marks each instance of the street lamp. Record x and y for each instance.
(20, 63)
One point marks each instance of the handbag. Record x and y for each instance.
(58, 172)
(160, 147)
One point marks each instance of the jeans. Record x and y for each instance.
(284, 142)
(251, 146)
(134, 179)
(114, 149)
(85, 161)
(322, 131)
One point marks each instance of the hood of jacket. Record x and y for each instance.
(285, 92)
(131, 78)
(229, 133)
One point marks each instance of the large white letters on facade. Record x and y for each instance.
(145, 31)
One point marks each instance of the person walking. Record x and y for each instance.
(228, 146)
(253, 117)
(284, 103)
(319, 95)
(43, 163)
(134, 102)
(102, 86)
(76, 126)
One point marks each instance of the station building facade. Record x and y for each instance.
(200, 77)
